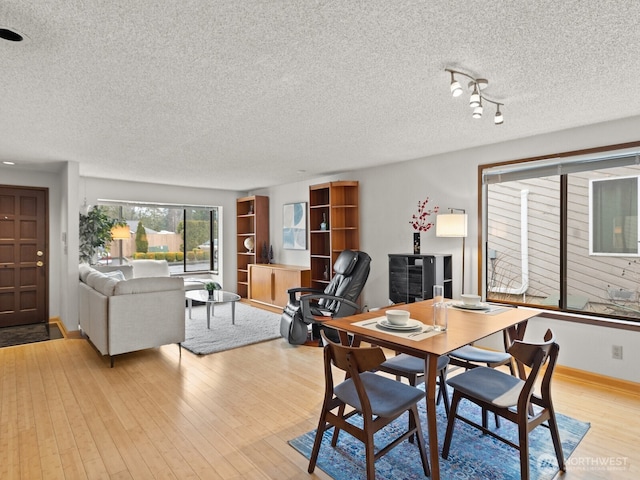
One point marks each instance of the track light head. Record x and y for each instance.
(456, 89)
(474, 99)
(477, 111)
(498, 119)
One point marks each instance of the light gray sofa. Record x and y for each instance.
(122, 313)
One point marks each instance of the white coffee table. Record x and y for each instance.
(219, 296)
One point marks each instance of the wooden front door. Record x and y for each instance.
(23, 256)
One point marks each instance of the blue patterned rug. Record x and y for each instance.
(472, 456)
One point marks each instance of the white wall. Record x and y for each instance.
(389, 196)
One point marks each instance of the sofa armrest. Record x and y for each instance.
(146, 320)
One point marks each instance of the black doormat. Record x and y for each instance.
(22, 334)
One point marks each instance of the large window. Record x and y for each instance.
(187, 237)
(562, 233)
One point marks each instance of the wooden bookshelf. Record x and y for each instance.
(252, 221)
(337, 205)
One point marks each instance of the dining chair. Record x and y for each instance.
(412, 368)
(471, 356)
(511, 398)
(378, 399)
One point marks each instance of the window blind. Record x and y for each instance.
(560, 166)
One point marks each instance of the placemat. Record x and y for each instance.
(417, 335)
(493, 309)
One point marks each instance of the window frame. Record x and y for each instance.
(214, 229)
(561, 164)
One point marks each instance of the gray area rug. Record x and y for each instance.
(252, 325)
(23, 334)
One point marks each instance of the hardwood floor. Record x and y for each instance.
(64, 414)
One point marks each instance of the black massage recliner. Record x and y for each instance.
(308, 306)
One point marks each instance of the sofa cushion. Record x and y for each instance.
(101, 283)
(127, 270)
(150, 268)
(148, 285)
(116, 275)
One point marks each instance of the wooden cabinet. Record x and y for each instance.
(269, 283)
(252, 222)
(334, 225)
(412, 277)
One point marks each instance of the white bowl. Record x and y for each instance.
(469, 299)
(397, 317)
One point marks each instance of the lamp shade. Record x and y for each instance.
(451, 225)
(120, 232)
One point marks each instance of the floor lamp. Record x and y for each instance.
(453, 225)
(120, 232)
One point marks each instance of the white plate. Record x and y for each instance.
(411, 324)
(480, 306)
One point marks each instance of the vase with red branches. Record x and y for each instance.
(421, 222)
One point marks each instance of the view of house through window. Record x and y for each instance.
(187, 238)
(614, 216)
(527, 259)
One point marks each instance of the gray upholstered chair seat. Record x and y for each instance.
(470, 353)
(412, 365)
(412, 368)
(489, 385)
(388, 398)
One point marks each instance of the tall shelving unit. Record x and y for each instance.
(337, 204)
(252, 221)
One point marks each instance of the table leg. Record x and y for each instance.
(344, 338)
(209, 305)
(190, 304)
(233, 313)
(431, 373)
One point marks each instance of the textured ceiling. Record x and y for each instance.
(243, 94)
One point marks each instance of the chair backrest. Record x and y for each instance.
(535, 355)
(352, 360)
(351, 271)
(532, 354)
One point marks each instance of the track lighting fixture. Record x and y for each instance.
(476, 85)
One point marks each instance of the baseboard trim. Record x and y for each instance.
(599, 380)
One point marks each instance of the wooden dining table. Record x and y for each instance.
(464, 327)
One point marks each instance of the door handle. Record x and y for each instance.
(39, 263)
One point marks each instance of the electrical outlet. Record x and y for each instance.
(616, 352)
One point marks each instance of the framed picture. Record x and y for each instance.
(294, 226)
